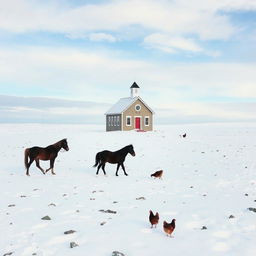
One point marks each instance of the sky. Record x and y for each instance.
(195, 61)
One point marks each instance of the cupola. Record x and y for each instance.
(134, 90)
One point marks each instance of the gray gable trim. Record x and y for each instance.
(150, 109)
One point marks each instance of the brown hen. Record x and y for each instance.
(153, 219)
(169, 227)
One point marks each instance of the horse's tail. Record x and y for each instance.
(26, 155)
(97, 159)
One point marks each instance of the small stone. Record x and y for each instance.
(34, 253)
(69, 232)
(141, 198)
(116, 253)
(246, 194)
(73, 244)
(8, 253)
(46, 218)
(231, 216)
(92, 199)
(52, 204)
(103, 223)
(115, 202)
(108, 211)
(252, 209)
(77, 211)
(23, 196)
(203, 228)
(11, 205)
(64, 195)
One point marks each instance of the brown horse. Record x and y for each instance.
(116, 157)
(48, 153)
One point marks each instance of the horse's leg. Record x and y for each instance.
(118, 165)
(52, 165)
(122, 164)
(38, 166)
(47, 170)
(103, 168)
(98, 168)
(30, 162)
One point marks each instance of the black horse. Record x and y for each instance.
(48, 153)
(116, 157)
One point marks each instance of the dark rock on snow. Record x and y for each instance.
(46, 218)
(73, 244)
(69, 232)
(252, 209)
(116, 253)
(108, 211)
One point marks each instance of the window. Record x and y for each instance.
(128, 121)
(114, 120)
(109, 123)
(137, 107)
(146, 121)
(118, 121)
(111, 120)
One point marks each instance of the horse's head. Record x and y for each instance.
(131, 150)
(64, 144)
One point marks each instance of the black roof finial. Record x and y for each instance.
(134, 85)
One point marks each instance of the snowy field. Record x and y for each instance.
(208, 176)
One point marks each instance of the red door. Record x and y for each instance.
(137, 122)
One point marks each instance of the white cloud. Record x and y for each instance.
(105, 77)
(98, 37)
(175, 17)
(177, 21)
(171, 44)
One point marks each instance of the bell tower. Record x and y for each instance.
(134, 90)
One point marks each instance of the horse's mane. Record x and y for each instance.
(58, 142)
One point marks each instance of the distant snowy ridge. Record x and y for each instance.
(17, 109)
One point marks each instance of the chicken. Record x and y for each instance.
(153, 219)
(157, 174)
(169, 227)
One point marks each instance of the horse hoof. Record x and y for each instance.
(53, 173)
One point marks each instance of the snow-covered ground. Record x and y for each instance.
(208, 176)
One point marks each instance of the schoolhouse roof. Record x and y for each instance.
(123, 104)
